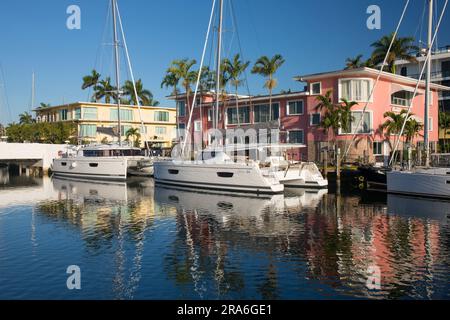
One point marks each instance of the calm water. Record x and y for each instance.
(137, 241)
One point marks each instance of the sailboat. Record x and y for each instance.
(214, 169)
(107, 161)
(427, 181)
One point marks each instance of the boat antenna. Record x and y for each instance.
(116, 57)
(198, 77)
(376, 82)
(138, 102)
(427, 59)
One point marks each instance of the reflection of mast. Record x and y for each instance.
(193, 257)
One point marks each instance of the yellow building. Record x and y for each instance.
(97, 122)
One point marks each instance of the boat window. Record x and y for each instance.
(93, 165)
(173, 171)
(64, 164)
(225, 174)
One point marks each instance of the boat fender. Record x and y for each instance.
(361, 178)
(73, 165)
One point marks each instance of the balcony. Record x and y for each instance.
(400, 101)
(435, 76)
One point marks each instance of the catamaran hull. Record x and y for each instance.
(230, 177)
(419, 184)
(114, 169)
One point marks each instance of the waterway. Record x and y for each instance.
(135, 240)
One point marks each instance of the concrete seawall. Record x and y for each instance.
(30, 156)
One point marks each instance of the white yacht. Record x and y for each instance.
(426, 181)
(106, 162)
(215, 170)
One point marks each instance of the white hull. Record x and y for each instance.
(208, 176)
(91, 168)
(426, 183)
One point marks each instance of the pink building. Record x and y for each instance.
(298, 120)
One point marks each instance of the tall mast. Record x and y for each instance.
(219, 50)
(116, 56)
(428, 82)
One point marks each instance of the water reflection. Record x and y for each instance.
(143, 241)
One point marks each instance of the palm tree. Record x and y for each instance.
(394, 123)
(104, 90)
(182, 70)
(267, 68)
(354, 63)
(134, 133)
(412, 129)
(444, 124)
(44, 105)
(401, 50)
(145, 96)
(235, 69)
(171, 80)
(26, 118)
(91, 80)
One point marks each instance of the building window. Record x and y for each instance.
(88, 130)
(365, 126)
(162, 116)
(402, 98)
(294, 108)
(355, 89)
(63, 115)
(295, 136)
(197, 126)
(125, 115)
(181, 108)
(377, 148)
(244, 115)
(315, 119)
(316, 88)
(89, 113)
(261, 112)
(430, 124)
(181, 130)
(404, 71)
(160, 130)
(77, 115)
(211, 116)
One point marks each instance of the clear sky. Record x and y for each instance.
(312, 35)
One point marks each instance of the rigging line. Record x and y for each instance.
(198, 77)
(99, 50)
(8, 107)
(376, 82)
(420, 26)
(233, 16)
(427, 60)
(130, 69)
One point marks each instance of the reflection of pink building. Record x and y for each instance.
(298, 119)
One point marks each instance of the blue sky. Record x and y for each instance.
(312, 35)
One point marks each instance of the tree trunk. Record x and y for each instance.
(237, 107)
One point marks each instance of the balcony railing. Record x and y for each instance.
(400, 101)
(434, 75)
